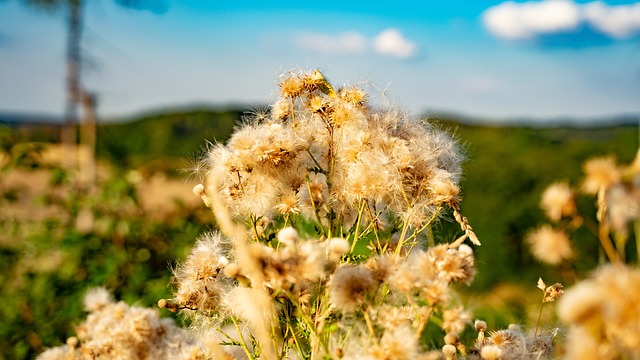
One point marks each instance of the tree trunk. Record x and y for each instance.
(74, 35)
(87, 166)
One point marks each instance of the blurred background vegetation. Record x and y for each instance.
(59, 237)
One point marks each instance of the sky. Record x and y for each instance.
(491, 60)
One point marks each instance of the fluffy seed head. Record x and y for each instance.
(96, 299)
(480, 325)
(600, 173)
(288, 236)
(491, 352)
(337, 247)
(549, 245)
(558, 201)
(400, 343)
(451, 338)
(291, 87)
(449, 351)
(454, 320)
(350, 286)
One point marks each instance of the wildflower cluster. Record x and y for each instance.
(325, 250)
(328, 155)
(337, 259)
(115, 330)
(617, 190)
(603, 315)
(511, 343)
(601, 312)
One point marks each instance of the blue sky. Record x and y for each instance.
(490, 59)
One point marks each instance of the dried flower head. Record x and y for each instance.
(623, 206)
(449, 352)
(353, 95)
(199, 286)
(600, 173)
(491, 352)
(349, 287)
(558, 201)
(550, 245)
(336, 247)
(390, 317)
(398, 343)
(602, 313)
(550, 293)
(455, 319)
(97, 298)
(288, 204)
(115, 330)
(292, 86)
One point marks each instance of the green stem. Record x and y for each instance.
(367, 320)
(603, 230)
(295, 340)
(405, 227)
(535, 333)
(355, 235)
(315, 208)
(242, 342)
(423, 323)
(425, 226)
(254, 224)
(316, 162)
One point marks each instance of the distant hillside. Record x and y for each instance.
(160, 141)
(507, 170)
(173, 134)
(34, 127)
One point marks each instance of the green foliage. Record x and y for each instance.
(160, 142)
(48, 262)
(507, 170)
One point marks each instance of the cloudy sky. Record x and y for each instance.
(489, 59)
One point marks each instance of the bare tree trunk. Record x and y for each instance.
(88, 166)
(74, 36)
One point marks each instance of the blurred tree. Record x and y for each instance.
(75, 92)
(73, 10)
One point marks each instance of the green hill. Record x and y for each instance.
(171, 135)
(507, 170)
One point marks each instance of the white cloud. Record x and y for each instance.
(511, 20)
(392, 42)
(345, 43)
(616, 21)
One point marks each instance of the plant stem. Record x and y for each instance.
(244, 344)
(405, 226)
(355, 235)
(295, 340)
(315, 208)
(367, 319)
(535, 333)
(603, 230)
